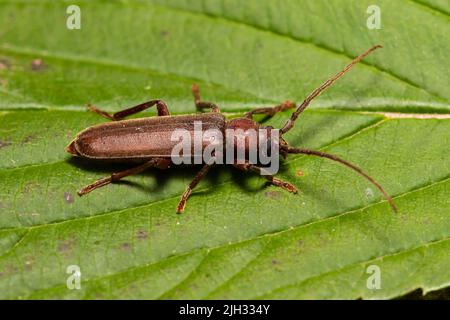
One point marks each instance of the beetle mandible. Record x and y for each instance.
(149, 139)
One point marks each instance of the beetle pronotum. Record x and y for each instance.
(148, 139)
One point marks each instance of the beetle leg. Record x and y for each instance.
(270, 111)
(160, 163)
(261, 171)
(201, 105)
(200, 175)
(160, 105)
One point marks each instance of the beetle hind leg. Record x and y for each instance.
(102, 113)
(163, 110)
(160, 163)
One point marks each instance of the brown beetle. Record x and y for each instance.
(149, 139)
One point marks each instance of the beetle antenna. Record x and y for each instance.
(345, 163)
(290, 123)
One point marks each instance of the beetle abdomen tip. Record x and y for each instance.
(71, 149)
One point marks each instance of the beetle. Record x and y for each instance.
(148, 140)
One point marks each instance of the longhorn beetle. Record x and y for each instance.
(148, 139)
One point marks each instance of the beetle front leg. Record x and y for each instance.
(201, 105)
(200, 175)
(262, 172)
(160, 163)
(270, 111)
(163, 110)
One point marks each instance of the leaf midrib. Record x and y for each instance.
(375, 121)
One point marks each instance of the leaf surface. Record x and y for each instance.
(239, 238)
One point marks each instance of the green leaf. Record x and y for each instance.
(238, 238)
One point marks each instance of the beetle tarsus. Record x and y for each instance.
(200, 175)
(182, 203)
(201, 105)
(270, 111)
(270, 179)
(284, 185)
(102, 113)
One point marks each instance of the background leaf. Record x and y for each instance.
(238, 238)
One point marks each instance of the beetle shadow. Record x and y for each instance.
(162, 177)
(238, 178)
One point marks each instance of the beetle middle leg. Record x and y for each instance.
(270, 111)
(271, 179)
(200, 175)
(163, 110)
(201, 105)
(160, 163)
